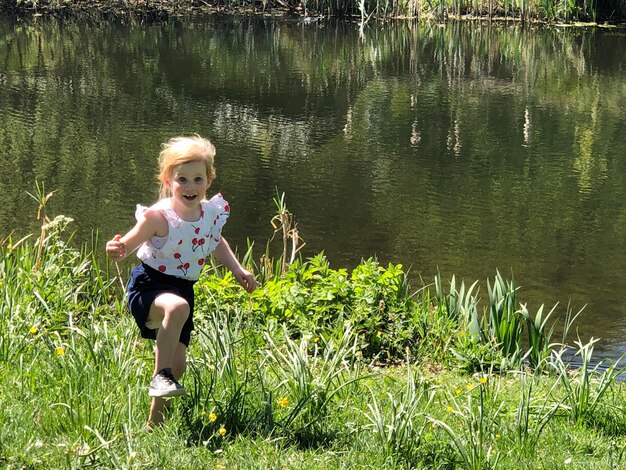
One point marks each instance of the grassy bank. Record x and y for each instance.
(319, 368)
(521, 10)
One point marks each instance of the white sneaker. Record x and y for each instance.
(165, 385)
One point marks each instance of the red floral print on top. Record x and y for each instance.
(182, 253)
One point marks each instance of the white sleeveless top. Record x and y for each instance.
(183, 251)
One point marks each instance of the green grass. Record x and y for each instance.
(319, 368)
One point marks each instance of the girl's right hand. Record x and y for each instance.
(116, 249)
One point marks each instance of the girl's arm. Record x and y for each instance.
(223, 254)
(151, 224)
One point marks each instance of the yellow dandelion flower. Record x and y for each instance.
(222, 431)
(449, 409)
(458, 391)
(470, 386)
(59, 351)
(498, 436)
(283, 402)
(34, 330)
(493, 451)
(212, 417)
(483, 380)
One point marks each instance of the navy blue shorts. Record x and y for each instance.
(145, 285)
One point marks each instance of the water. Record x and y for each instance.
(462, 148)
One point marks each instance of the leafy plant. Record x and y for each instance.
(310, 374)
(434, 330)
(311, 297)
(458, 304)
(475, 423)
(586, 385)
(381, 308)
(532, 413)
(539, 336)
(475, 356)
(51, 277)
(400, 422)
(505, 323)
(540, 344)
(221, 367)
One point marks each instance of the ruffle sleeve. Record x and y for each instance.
(140, 211)
(217, 211)
(161, 206)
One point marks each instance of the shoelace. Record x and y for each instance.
(167, 374)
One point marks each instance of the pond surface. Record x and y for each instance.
(462, 148)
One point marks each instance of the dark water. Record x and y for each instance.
(459, 148)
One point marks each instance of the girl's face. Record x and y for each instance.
(188, 184)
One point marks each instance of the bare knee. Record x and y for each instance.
(169, 308)
(177, 311)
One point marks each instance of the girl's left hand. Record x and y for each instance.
(246, 279)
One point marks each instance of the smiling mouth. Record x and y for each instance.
(189, 198)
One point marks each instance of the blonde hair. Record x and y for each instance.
(179, 150)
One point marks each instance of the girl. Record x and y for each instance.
(174, 237)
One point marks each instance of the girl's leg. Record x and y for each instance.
(171, 311)
(159, 405)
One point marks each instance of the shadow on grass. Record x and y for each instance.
(213, 434)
